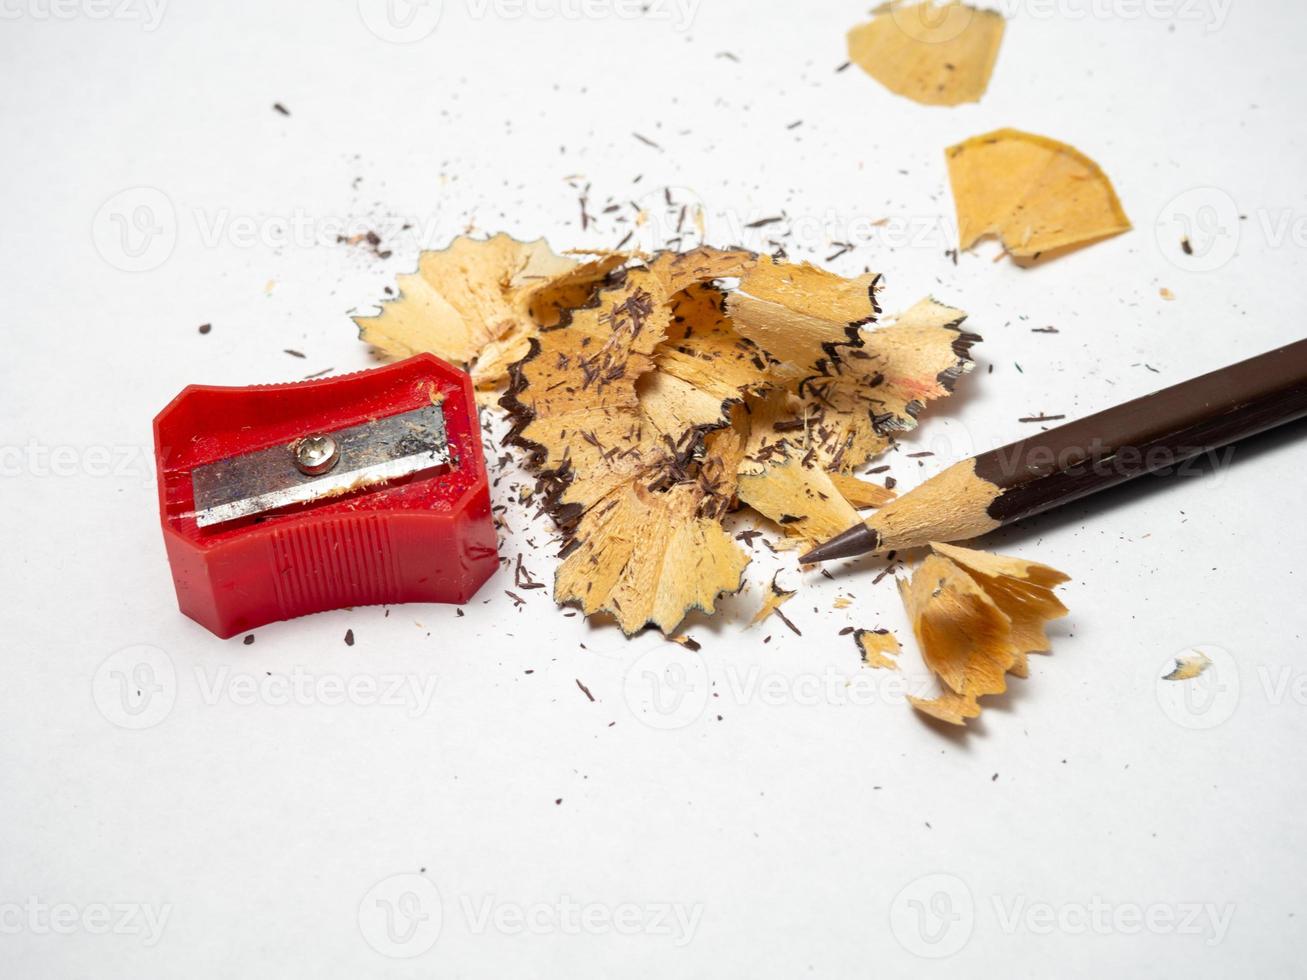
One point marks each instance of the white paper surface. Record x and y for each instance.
(1094, 822)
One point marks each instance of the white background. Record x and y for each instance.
(787, 832)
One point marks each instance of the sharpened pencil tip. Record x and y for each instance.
(857, 540)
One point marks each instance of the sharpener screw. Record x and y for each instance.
(315, 455)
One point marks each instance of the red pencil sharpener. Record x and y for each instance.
(282, 500)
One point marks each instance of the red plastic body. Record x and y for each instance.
(426, 538)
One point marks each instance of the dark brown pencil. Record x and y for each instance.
(1150, 434)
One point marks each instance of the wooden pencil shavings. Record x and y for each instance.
(703, 348)
(668, 397)
(801, 499)
(627, 465)
(976, 617)
(1188, 666)
(850, 387)
(576, 399)
(844, 388)
(648, 557)
(479, 302)
(682, 270)
(857, 394)
(878, 648)
(779, 480)
(1035, 194)
(801, 316)
(1022, 589)
(776, 597)
(932, 53)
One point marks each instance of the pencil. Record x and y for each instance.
(1151, 434)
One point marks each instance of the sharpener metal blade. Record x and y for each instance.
(369, 454)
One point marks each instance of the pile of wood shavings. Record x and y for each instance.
(655, 395)
(652, 398)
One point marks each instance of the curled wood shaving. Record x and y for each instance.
(932, 53)
(859, 386)
(624, 459)
(976, 617)
(478, 303)
(802, 315)
(1037, 195)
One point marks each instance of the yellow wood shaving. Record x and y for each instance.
(1037, 195)
(478, 303)
(1188, 666)
(932, 53)
(878, 647)
(775, 598)
(976, 617)
(801, 499)
(860, 493)
(619, 450)
(649, 558)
